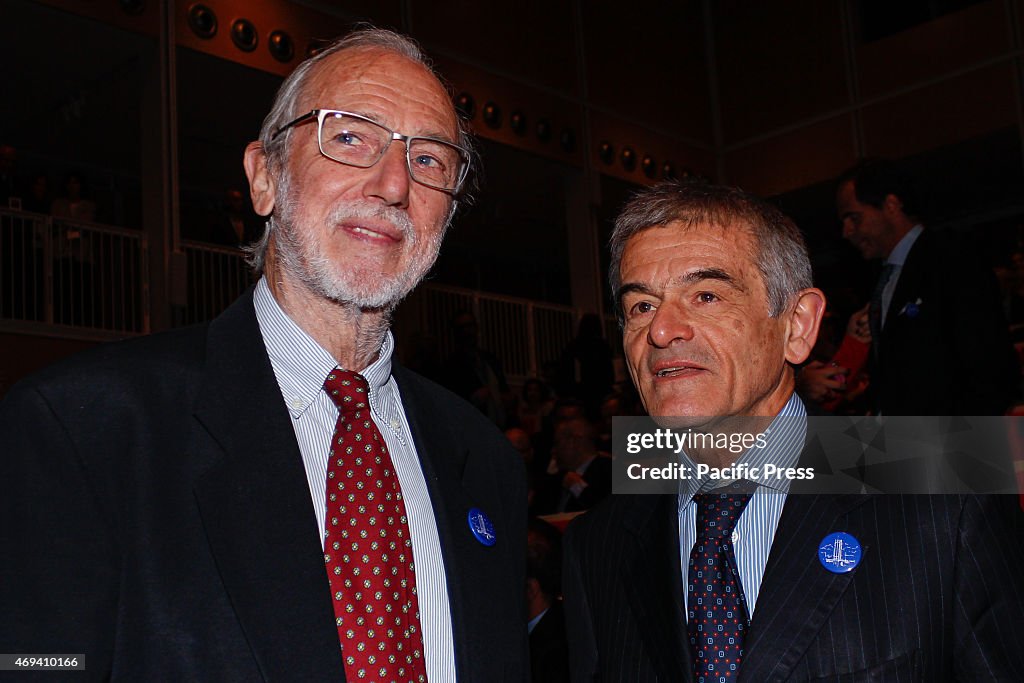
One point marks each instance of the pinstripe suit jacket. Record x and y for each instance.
(938, 595)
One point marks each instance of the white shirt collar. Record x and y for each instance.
(300, 363)
(899, 253)
(784, 442)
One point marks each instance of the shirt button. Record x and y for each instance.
(395, 424)
(735, 536)
(296, 404)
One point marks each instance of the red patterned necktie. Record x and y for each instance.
(716, 609)
(367, 547)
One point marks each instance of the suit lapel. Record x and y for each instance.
(255, 506)
(654, 584)
(447, 464)
(797, 594)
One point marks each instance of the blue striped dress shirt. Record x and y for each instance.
(755, 529)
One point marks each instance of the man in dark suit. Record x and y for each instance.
(549, 649)
(584, 476)
(940, 342)
(739, 583)
(232, 501)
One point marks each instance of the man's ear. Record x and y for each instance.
(262, 187)
(802, 326)
(892, 204)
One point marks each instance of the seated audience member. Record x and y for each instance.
(475, 373)
(73, 204)
(534, 406)
(564, 409)
(235, 224)
(37, 199)
(584, 477)
(613, 405)
(520, 441)
(549, 648)
(585, 370)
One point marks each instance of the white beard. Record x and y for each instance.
(300, 254)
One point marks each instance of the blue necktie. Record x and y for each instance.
(716, 609)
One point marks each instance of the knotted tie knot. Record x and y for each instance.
(349, 390)
(720, 509)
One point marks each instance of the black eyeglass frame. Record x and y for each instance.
(320, 114)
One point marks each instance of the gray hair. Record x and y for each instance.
(285, 108)
(780, 252)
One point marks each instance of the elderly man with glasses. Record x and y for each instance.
(270, 496)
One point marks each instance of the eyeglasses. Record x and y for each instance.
(355, 140)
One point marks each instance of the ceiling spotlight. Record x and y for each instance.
(281, 46)
(628, 158)
(465, 105)
(648, 166)
(517, 122)
(202, 21)
(543, 130)
(244, 35)
(492, 115)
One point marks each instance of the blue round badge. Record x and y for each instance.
(482, 527)
(839, 552)
(913, 310)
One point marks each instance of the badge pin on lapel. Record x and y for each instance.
(482, 527)
(912, 309)
(839, 552)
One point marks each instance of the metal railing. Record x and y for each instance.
(216, 276)
(86, 277)
(524, 335)
(77, 275)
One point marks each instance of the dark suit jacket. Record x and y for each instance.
(598, 476)
(938, 594)
(549, 648)
(952, 355)
(155, 516)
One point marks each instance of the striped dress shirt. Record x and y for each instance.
(755, 530)
(301, 365)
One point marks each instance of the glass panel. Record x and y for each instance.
(73, 114)
(221, 106)
(514, 240)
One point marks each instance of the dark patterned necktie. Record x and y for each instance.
(367, 547)
(716, 619)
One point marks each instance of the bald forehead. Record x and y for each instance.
(380, 76)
